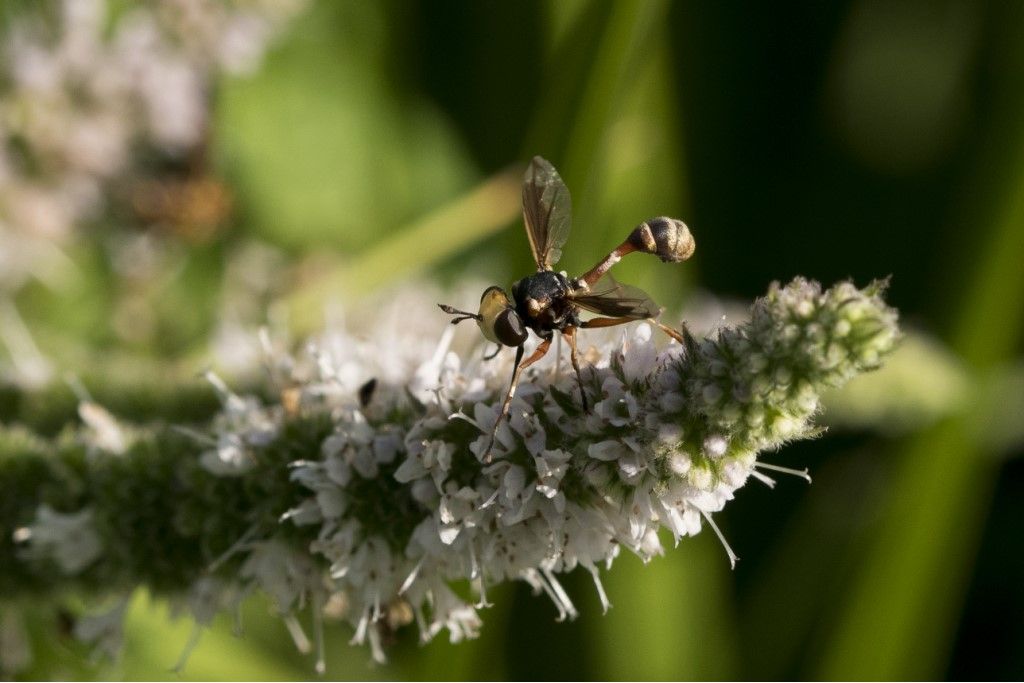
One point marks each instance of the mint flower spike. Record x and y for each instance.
(369, 501)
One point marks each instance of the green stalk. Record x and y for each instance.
(482, 211)
(673, 618)
(629, 39)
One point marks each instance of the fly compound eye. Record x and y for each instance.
(509, 328)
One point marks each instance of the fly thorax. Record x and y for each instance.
(542, 299)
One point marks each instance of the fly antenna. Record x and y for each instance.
(460, 315)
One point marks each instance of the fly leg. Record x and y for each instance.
(570, 334)
(534, 357)
(607, 322)
(675, 334)
(611, 322)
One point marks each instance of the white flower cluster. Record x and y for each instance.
(87, 89)
(375, 500)
(530, 514)
(404, 504)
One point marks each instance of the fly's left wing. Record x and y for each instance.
(547, 212)
(617, 300)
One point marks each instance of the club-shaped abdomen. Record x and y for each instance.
(667, 237)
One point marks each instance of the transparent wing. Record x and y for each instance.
(547, 212)
(617, 300)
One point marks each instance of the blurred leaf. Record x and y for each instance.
(625, 47)
(919, 384)
(673, 617)
(323, 151)
(155, 644)
(899, 617)
(477, 659)
(791, 595)
(450, 229)
(538, 647)
(923, 382)
(897, 87)
(480, 62)
(1002, 404)
(645, 177)
(264, 651)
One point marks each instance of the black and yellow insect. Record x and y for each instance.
(547, 301)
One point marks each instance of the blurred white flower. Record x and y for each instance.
(103, 629)
(87, 102)
(71, 540)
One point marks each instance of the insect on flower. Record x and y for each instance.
(548, 301)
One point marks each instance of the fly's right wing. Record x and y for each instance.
(547, 212)
(617, 300)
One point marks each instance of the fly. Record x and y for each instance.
(548, 302)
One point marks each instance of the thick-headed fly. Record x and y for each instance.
(546, 301)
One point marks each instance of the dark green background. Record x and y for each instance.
(827, 139)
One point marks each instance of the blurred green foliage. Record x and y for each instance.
(848, 138)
